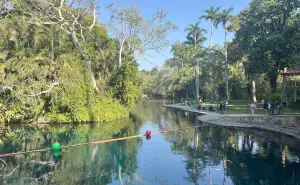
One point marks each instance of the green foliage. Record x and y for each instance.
(124, 85)
(75, 95)
(276, 98)
(195, 35)
(26, 77)
(269, 37)
(77, 101)
(294, 105)
(107, 110)
(266, 42)
(48, 75)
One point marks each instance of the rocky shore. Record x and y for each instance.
(284, 124)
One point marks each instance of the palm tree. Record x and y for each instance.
(195, 35)
(225, 18)
(212, 15)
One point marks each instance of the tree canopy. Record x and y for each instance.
(265, 43)
(57, 62)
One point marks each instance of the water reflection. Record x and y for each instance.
(205, 155)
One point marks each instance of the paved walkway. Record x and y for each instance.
(284, 124)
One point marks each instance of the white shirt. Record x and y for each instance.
(253, 106)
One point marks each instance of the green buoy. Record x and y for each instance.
(55, 146)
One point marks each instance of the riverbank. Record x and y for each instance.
(284, 124)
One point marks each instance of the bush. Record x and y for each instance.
(294, 105)
(276, 97)
(77, 101)
(125, 86)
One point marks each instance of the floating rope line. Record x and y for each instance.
(99, 142)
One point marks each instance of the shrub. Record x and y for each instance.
(294, 105)
(77, 101)
(125, 85)
(276, 97)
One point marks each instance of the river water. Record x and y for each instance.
(206, 155)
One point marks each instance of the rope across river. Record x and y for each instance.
(102, 141)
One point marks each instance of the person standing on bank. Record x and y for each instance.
(266, 107)
(276, 107)
(253, 108)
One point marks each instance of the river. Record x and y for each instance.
(205, 155)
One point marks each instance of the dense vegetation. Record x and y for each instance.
(57, 62)
(266, 42)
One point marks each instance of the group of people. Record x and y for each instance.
(270, 108)
(201, 106)
(223, 105)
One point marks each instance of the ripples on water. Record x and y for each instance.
(206, 155)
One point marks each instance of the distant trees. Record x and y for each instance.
(266, 42)
(269, 37)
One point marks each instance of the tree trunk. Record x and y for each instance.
(254, 88)
(195, 41)
(216, 85)
(226, 67)
(284, 89)
(211, 33)
(295, 92)
(217, 91)
(273, 82)
(187, 92)
(88, 64)
(120, 53)
(41, 111)
(197, 80)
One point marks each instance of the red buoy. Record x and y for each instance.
(148, 133)
(148, 137)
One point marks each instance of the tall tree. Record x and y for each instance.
(195, 35)
(212, 15)
(225, 18)
(139, 34)
(265, 34)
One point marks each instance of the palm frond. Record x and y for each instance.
(217, 9)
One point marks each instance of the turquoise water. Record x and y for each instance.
(206, 155)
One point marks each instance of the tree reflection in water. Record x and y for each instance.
(208, 155)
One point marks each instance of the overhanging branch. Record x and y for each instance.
(47, 91)
(6, 88)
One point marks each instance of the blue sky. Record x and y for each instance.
(182, 13)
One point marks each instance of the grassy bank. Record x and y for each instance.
(242, 107)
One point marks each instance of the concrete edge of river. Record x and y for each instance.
(284, 124)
